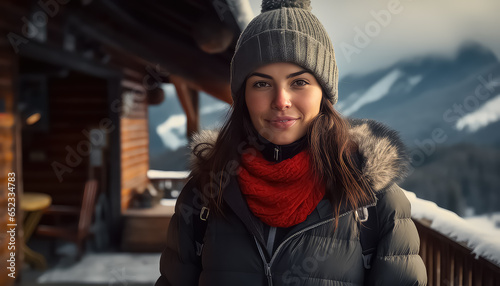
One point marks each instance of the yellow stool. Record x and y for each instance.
(33, 205)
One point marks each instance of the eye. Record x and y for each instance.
(260, 84)
(300, 82)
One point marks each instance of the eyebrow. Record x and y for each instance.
(270, 77)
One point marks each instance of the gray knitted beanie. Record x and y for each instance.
(286, 31)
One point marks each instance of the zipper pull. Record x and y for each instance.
(269, 275)
(276, 153)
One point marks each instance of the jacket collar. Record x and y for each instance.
(278, 153)
(234, 198)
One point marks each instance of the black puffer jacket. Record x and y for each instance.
(311, 253)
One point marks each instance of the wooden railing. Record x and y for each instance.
(168, 182)
(450, 263)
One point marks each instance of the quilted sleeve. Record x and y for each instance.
(179, 264)
(397, 261)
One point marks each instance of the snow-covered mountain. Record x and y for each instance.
(458, 96)
(167, 129)
(447, 111)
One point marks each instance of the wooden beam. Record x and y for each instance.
(161, 14)
(177, 56)
(218, 90)
(192, 127)
(57, 56)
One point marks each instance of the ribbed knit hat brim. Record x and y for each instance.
(286, 34)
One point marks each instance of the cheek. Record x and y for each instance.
(255, 106)
(317, 101)
(312, 107)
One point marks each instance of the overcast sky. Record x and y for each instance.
(415, 28)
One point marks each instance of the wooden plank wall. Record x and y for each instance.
(134, 133)
(57, 162)
(134, 142)
(8, 62)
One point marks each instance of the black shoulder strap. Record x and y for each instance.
(368, 233)
(200, 226)
(368, 226)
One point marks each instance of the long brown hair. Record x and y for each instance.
(332, 152)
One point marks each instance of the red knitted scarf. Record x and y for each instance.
(281, 194)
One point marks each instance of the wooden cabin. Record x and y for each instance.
(76, 79)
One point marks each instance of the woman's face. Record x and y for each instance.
(282, 99)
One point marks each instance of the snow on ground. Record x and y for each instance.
(484, 242)
(106, 269)
(375, 92)
(486, 114)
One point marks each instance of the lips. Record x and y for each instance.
(283, 122)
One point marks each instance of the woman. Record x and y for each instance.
(289, 192)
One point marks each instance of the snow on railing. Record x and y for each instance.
(156, 174)
(483, 242)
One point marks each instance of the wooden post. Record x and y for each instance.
(194, 125)
(114, 186)
(10, 144)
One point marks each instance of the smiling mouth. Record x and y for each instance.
(285, 120)
(283, 124)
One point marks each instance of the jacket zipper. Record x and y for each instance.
(276, 153)
(269, 275)
(267, 266)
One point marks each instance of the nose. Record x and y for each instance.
(281, 100)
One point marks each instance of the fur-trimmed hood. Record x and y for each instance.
(385, 160)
